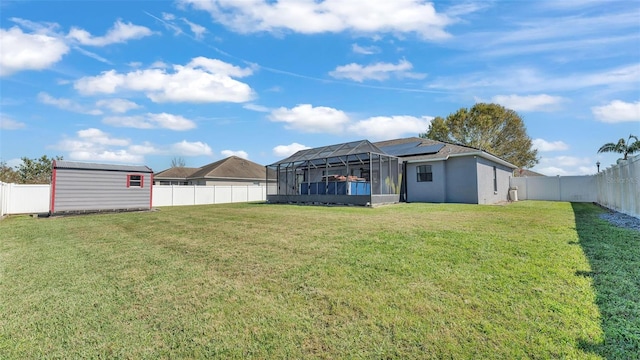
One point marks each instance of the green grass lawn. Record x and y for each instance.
(527, 280)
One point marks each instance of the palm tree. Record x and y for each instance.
(622, 147)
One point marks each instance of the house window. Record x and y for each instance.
(424, 173)
(135, 181)
(495, 179)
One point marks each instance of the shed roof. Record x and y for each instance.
(64, 164)
(332, 151)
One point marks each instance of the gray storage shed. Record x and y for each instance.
(89, 187)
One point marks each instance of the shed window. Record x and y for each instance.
(135, 181)
(424, 173)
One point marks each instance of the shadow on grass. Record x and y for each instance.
(614, 257)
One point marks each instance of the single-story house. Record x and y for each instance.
(410, 169)
(89, 187)
(229, 171)
(440, 172)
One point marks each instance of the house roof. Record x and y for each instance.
(332, 151)
(180, 172)
(64, 164)
(232, 167)
(419, 149)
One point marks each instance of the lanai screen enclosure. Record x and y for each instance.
(354, 173)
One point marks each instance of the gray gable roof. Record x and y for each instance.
(64, 164)
(424, 150)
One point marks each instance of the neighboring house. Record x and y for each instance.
(88, 187)
(229, 171)
(441, 172)
(409, 169)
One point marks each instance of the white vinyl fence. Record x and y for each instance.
(557, 188)
(24, 199)
(175, 195)
(34, 199)
(619, 186)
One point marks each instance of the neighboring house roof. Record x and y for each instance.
(64, 164)
(176, 173)
(232, 167)
(525, 172)
(419, 149)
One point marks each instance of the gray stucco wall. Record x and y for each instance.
(486, 193)
(426, 191)
(96, 190)
(461, 175)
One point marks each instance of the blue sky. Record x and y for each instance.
(142, 82)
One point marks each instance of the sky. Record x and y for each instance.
(145, 82)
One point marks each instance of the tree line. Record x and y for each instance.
(30, 171)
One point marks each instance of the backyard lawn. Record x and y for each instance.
(526, 280)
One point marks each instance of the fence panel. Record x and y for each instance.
(27, 199)
(619, 187)
(204, 195)
(257, 193)
(162, 195)
(223, 194)
(557, 188)
(3, 198)
(239, 194)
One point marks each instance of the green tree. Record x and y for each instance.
(36, 171)
(488, 127)
(622, 147)
(7, 174)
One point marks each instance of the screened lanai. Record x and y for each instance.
(354, 173)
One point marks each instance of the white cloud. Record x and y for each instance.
(119, 33)
(544, 145)
(198, 30)
(7, 123)
(256, 107)
(21, 51)
(186, 148)
(66, 104)
(565, 166)
(541, 102)
(378, 71)
(516, 79)
(96, 145)
(312, 17)
(238, 153)
(389, 127)
(100, 137)
(151, 121)
(118, 106)
(287, 150)
(617, 111)
(307, 118)
(365, 50)
(168, 16)
(200, 81)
